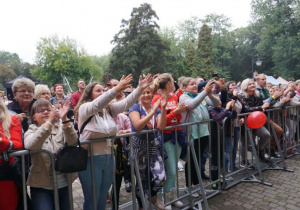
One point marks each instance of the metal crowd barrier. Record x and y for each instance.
(287, 118)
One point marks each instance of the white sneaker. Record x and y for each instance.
(228, 178)
(173, 196)
(180, 166)
(199, 191)
(194, 195)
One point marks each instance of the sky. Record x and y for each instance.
(93, 23)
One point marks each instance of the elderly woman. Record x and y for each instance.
(23, 90)
(60, 98)
(42, 91)
(252, 101)
(10, 139)
(47, 133)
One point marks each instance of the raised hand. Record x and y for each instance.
(124, 81)
(209, 86)
(63, 111)
(146, 82)
(163, 102)
(277, 94)
(235, 92)
(156, 105)
(54, 115)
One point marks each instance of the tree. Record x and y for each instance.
(205, 58)
(223, 43)
(12, 66)
(6, 74)
(7, 56)
(277, 23)
(179, 37)
(139, 48)
(55, 58)
(190, 61)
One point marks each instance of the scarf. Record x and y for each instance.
(191, 94)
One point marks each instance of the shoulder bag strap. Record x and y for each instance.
(82, 127)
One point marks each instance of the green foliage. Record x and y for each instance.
(179, 37)
(12, 66)
(205, 57)
(2, 88)
(7, 56)
(56, 57)
(278, 24)
(6, 74)
(190, 62)
(223, 43)
(139, 49)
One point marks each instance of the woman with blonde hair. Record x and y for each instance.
(42, 91)
(252, 101)
(164, 84)
(10, 139)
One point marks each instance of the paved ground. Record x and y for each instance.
(284, 194)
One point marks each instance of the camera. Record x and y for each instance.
(215, 75)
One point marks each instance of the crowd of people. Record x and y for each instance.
(40, 118)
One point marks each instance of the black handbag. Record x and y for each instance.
(72, 159)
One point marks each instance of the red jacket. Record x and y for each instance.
(172, 118)
(15, 137)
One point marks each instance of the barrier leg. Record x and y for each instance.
(253, 178)
(274, 166)
(24, 183)
(70, 190)
(199, 177)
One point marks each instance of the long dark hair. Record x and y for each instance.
(86, 96)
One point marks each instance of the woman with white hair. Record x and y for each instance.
(42, 91)
(252, 101)
(10, 139)
(23, 90)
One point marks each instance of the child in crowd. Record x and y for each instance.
(218, 114)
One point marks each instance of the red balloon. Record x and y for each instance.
(256, 119)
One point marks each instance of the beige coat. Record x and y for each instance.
(41, 138)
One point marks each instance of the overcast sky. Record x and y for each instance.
(93, 23)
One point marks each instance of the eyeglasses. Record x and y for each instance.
(25, 91)
(43, 110)
(81, 83)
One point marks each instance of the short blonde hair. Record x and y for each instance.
(39, 89)
(23, 82)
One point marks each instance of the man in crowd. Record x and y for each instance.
(76, 96)
(275, 102)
